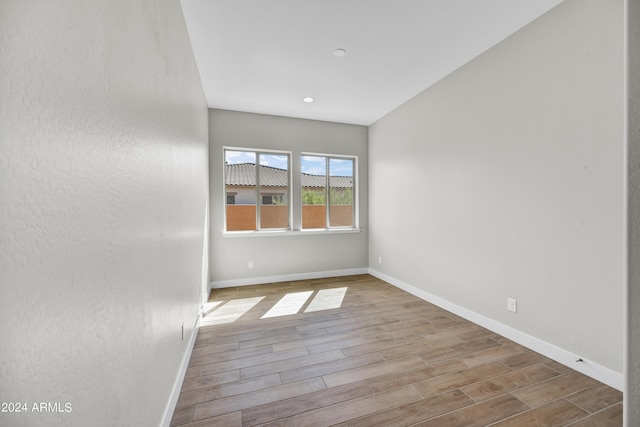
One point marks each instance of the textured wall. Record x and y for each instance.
(103, 190)
(519, 157)
(632, 396)
(282, 255)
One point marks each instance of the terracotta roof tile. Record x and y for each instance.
(244, 174)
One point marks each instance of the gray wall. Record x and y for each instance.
(519, 160)
(283, 255)
(103, 191)
(632, 392)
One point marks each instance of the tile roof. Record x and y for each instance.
(244, 174)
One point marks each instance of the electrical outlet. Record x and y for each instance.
(250, 264)
(512, 305)
(379, 260)
(182, 331)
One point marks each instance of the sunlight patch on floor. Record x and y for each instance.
(327, 299)
(288, 304)
(231, 311)
(220, 312)
(210, 306)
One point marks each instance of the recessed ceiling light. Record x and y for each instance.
(308, 99)
(339, 53)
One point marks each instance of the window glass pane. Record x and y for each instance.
(340, 192)
(240, 185)
(274, 191)
(314, 182)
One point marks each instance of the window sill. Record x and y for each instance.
(277, 233)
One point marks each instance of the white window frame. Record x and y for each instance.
(355, 214)
(258, 152)
(295, 203)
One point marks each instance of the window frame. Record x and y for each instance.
(258, 200)
(293, 195)
(355, 215)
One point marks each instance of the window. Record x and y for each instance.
(258, 192)
(257, 198)
(272, 199)
(328, 191)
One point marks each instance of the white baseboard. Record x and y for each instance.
(177, 385)
(587, 367)
(218, 284)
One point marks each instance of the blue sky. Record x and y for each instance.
(314, 165)
(274, 160)
(234, 157)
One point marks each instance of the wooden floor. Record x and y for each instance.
(377, 357)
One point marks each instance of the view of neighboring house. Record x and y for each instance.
(242, 192)
(274, 183)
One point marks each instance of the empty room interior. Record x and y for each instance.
(299, 212)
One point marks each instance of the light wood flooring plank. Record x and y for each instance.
(463, 348)
(288, 364)
(609, 417)
(524, 359)
(307, 402)
(225, 390)
(555, 388)
(227, 420)
(204, 346)
(277, 340)
(384, 357)
(252, 361)
(181, 416)
(199, 382)
(595, 398)
(320, 338)
(345, 411)
(555, 414)
(370, 371)
(209, 358)
(344, 343)
(261, 397)
(415, 412)
(495, 354)
(384, 343)
(329, 368)
(398, 348)
(413, 376)
(479, 415)
(484, 390)
(462, 378)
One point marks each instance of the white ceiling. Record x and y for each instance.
(265, 56)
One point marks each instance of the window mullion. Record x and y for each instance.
(354, 172)
(257, 191)
(289, 193)
(327, 194)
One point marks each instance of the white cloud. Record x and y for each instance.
(314, 165)
(234, 157)
(313, 159)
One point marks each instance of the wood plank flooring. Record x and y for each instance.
(360, 352)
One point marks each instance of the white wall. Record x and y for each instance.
(519, 158)
(103, 190)
(281, 256)
(632, 392)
